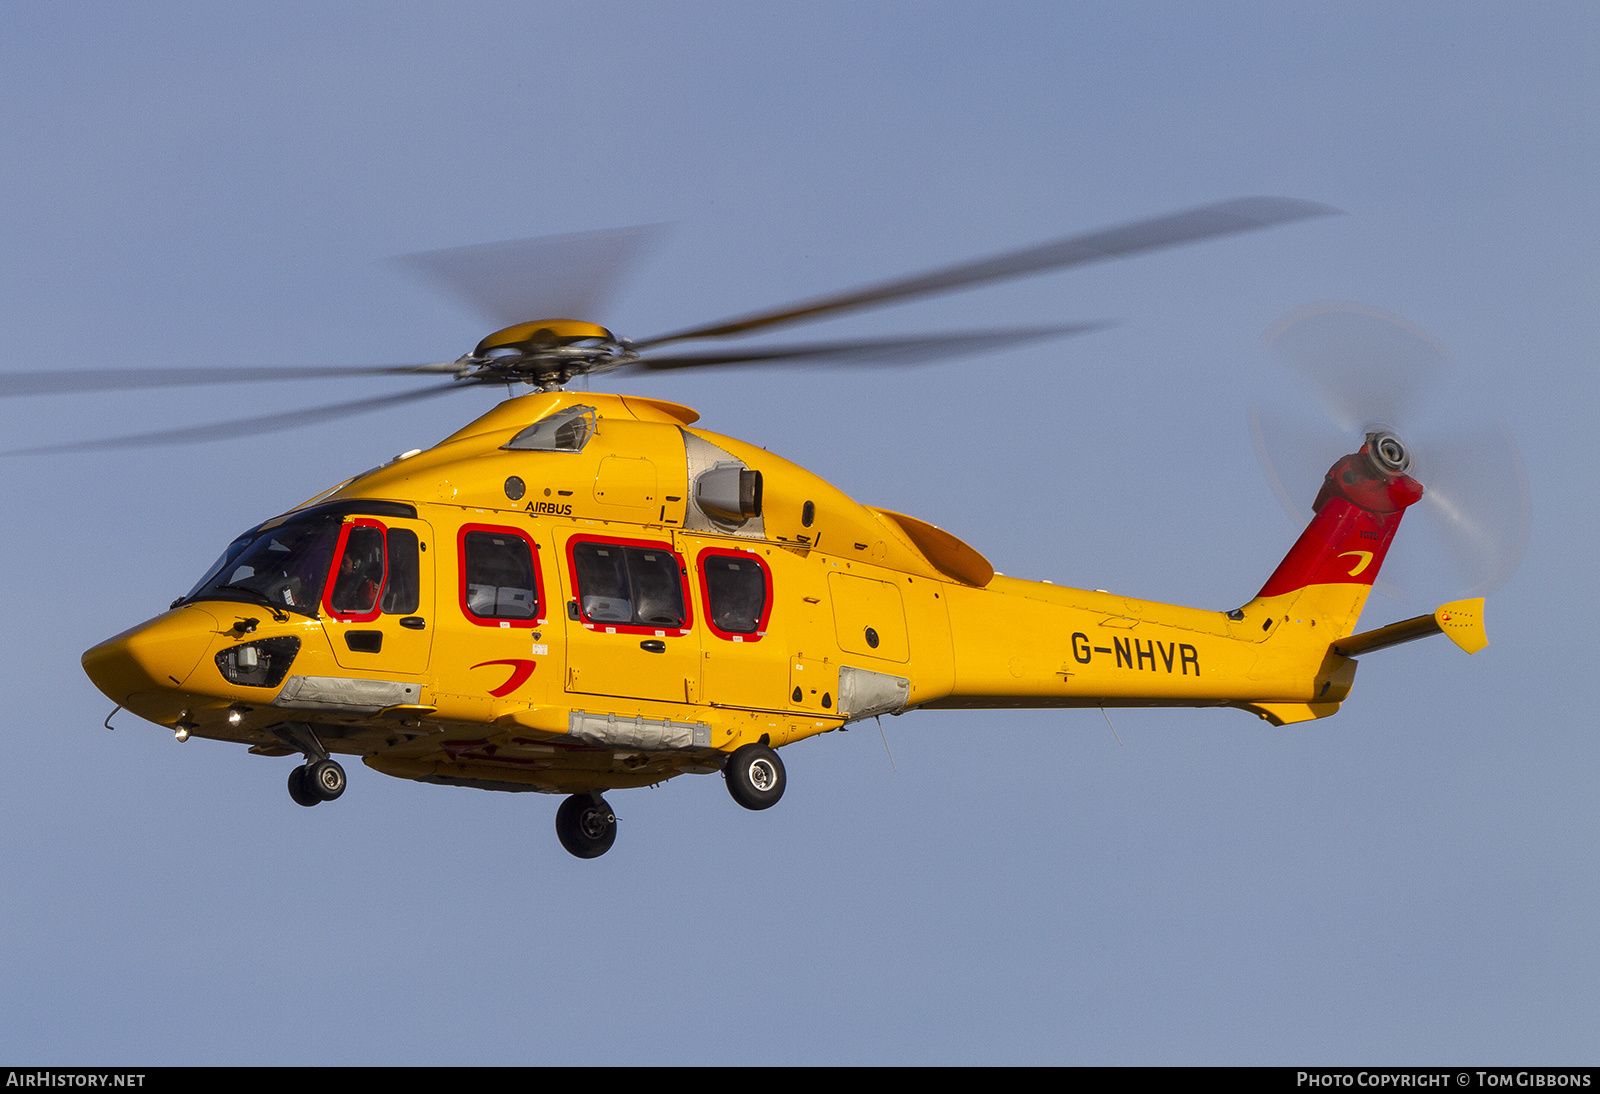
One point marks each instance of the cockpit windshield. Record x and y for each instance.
(283, 566)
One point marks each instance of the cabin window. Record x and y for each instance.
(359, 572)
(499, 582)
(737, 592)
(629, 584)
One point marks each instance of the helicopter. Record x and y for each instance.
(582, 592)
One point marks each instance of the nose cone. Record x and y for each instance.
(154, 656)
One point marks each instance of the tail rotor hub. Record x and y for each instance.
(1388, 453)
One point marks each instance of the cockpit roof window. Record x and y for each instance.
(567, 430)
(366, 507)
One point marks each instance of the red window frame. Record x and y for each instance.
(539, 619)
(333, 572)
(705, 592)
(631, 628)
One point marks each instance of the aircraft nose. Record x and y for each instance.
(153, 656)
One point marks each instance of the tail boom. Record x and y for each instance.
(1018, 643)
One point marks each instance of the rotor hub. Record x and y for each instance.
(1388, 453)
(546, 353)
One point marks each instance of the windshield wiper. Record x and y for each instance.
(257, 595)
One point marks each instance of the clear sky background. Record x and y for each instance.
(1414, 880)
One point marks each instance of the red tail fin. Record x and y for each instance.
(1358, 512)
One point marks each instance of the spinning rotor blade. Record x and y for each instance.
(243, 427)
(548, 277)
(1367, 366)
(905, 350)
(83, 381)
(1191, 226)
(1371, 368)
(1477, 499)
(1295, 454)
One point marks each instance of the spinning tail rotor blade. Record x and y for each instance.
(548, 277)
(1190, 226)
(1366, 365)
(1369, 368)
(1295, 454)
(1477, 499)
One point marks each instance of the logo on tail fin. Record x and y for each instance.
(1363, 560)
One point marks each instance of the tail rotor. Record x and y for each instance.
(1374, 373)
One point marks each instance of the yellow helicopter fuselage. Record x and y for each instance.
(636, 599)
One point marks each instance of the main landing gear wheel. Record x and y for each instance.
(586, 826)
(299, 791)
(322, 781)
(325, 779)
(755, 777)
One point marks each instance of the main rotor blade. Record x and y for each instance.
(547, 277)
(120, 379)
(906, 350)
(1190, 226)
(243, 427)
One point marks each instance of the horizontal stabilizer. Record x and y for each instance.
(1462, 620)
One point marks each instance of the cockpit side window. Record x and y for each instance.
(359, 573)
(500, 583)
(403, 591)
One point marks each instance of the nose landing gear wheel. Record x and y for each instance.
(586, 826)
(755, 777)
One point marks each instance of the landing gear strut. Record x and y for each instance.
(755, 777)
(321, 779)
(586, 825)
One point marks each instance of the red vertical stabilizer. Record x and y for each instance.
(1358, 512)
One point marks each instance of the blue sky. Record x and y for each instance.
(1413, 880)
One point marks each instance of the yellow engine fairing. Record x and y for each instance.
(1006, 643)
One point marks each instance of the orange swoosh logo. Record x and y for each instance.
(520, 671)
(1363, 560)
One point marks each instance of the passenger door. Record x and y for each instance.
(498, 634)
(741, 666)
(629, 620)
